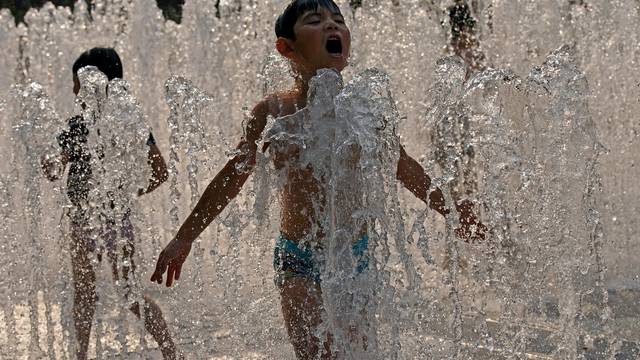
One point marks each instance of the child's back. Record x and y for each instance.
(82, 179)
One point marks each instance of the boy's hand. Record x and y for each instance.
(471, 229)
(171, 258)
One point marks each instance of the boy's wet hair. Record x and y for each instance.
(105, 59)
(286, 21)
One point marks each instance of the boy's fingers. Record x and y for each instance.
(161, 267)
(157, 278)
(169, 280)
(178, 271)
(170, 275)
(154, 276)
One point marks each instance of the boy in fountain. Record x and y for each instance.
(83, 247)
(312, 35)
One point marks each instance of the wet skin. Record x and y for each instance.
(301, 190)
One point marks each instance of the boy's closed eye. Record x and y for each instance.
(313, 18)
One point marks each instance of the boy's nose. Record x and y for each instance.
(331, 25)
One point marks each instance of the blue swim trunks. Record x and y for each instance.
(297, 260)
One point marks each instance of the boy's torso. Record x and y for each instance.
(302, 195)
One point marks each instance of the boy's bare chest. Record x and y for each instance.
(305, 143)
(287, 155)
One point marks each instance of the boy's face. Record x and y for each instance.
(322, 41)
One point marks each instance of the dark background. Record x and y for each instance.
(171, 9)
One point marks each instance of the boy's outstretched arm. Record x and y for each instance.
(159, 172)
(224, 187)
(413, 177)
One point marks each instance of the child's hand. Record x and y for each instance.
(171, 258)
(471, 229)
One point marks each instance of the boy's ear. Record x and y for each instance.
(285, 47)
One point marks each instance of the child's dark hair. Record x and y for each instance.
(105, 59)
(285, 22)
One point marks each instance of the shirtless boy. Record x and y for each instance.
(312, 35)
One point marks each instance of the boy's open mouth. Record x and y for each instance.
(334, 46)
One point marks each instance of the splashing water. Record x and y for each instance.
(547, 152)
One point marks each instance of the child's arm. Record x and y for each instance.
(413, 177)
(159, 173)
(223, 188)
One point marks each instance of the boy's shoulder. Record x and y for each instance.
(266, 107)
(276, 104)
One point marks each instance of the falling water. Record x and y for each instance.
(544, 142)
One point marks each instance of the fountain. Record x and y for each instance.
(543, 140)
